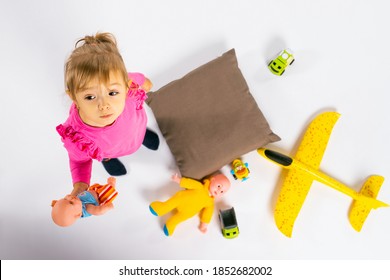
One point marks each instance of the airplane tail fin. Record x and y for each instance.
(360, 208)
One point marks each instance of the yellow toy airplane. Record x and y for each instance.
(303, 169)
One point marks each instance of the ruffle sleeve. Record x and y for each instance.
(135, 90)
(138, 94)
(136, 77)
(79, 141)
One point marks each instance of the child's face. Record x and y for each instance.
(99, 104)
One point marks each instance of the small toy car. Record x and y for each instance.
(240, 170)
(228, 223)
(280, 63)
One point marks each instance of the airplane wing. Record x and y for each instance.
(297, 184)
(291, 197)
(315, 139)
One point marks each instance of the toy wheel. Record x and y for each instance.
(235, 177)
(282, 73)
(269, 63)
(292, 61)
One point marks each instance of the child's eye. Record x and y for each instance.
(89, 97)
(113, 93)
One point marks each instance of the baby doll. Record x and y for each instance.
(196, 198)
(96, 200)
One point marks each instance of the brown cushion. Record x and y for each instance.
(209, 117)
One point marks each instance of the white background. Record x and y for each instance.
(342, 64)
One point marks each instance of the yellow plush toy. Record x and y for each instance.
(197, 197)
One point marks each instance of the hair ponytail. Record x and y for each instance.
(99, 38)
(93, 56)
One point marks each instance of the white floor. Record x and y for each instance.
(341, 51)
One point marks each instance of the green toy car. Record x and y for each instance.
(228, 223)
(280, 63)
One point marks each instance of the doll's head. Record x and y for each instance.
(96, 79)
(66, 211)
(219, 184)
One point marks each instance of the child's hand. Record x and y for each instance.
(79, 188)
(176, 178)
(147, 85)
(203, 227)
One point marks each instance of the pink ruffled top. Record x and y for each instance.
(123, 137)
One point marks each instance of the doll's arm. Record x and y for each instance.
(186, 183)
(205, 218)
(111, 181)
(176, 178)
(100, 209)
(203, 227)
(190, 184)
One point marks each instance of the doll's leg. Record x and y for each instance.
(159, 208)
(173, 221)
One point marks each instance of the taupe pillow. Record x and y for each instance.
(209, 117)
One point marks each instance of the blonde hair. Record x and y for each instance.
(93, 57)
